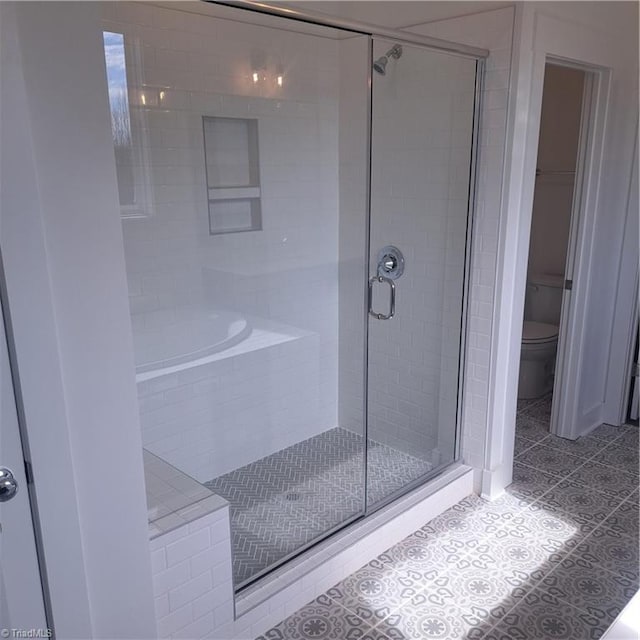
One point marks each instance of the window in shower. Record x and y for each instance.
(233, 174)
(127, 131)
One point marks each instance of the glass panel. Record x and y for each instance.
(241, 339)
(422, 129)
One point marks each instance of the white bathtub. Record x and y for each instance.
(224, 389)
(200, 335)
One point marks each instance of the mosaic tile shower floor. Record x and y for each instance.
(555, 557)
(290, 498)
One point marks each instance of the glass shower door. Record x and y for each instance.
(422, 138)
(242, 159)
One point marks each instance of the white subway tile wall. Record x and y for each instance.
(353, 192)
(192, 573)
(255, 398)
(192, 581)
(422, 136)
(180, 67)
(290, 271)
(422, 130)
(492, 30)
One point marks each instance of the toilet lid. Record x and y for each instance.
(538, 331)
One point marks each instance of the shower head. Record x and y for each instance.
(380, 65)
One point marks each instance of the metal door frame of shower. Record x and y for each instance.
(426, 43)
(471, 207)
(326, 20)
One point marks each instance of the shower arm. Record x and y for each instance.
(395, 52)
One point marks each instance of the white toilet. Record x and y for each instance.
(540, 335)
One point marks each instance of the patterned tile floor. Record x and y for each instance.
(555, 557)
(288, 499)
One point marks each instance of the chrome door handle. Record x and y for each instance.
(392, 301)
(8, 485)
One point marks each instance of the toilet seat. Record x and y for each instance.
(538, 332)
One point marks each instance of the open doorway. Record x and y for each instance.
(555, 216)
(547, 447)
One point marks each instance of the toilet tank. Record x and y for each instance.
(543, 299)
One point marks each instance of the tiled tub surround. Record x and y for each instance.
(215, 414)
(191, 555)
(555, 557)
(173, 498)
(291, 270)
(190, 549)
(288, 499)
(228, 413)
(192, 583)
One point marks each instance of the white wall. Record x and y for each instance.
(604, 36)
(625, 327)
(354, 198)
(62, 250)
(192, 577)
(608, 40)
(256, 398)
(422, 114)
(421, 153)
(620, 47)
(493, 31)
(69, 309)
(286, 272)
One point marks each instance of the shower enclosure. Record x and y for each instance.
(296, 204)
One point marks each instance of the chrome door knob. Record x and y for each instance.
(390, 262)
(8, 485)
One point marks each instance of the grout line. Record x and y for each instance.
(631, 495)
(423, 589)
(562, 512)
(585, 460)
(322, 449)
(521, 505)
(446, 572)
(485, 536)
(549, 473)
(560, 600)
(532, 444)
(518, 508)
(535, 585)
(600, 525)
(349, 611)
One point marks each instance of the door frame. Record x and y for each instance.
(39, 608)
(579, 248)
(66, 285)
(627, 310)
(463, 356)
(541, 33)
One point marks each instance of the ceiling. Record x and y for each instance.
(395, 13)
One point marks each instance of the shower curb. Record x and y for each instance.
(287, 589)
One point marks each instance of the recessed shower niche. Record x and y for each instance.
(233, 174)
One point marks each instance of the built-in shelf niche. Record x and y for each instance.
(233, 174)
